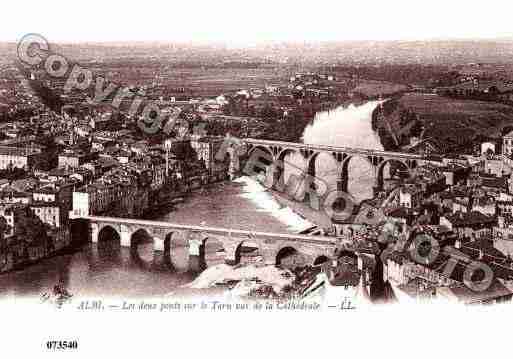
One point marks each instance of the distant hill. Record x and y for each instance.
(400, 52)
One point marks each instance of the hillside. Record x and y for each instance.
(451, 123)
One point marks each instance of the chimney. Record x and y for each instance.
(481, 253)
(457, 244)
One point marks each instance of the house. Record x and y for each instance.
(454, 172)
(12, 196)
(140, 147)
(60, 174)
(507, 144)
(426, 147)
(401, 269)
(57, 194)
(14, 157)
(488, 183)
(460, 293)
(99, 144)
(75, 158)
(13, 214)
(489, 147)
(48, 212)
(123, 156)
(485, 205)
(504, 208)
(496, 166)
(83, 130)
(494, 184)
(471, 224)
(402, 215)
(410, 196)
(461, 205)
(25, 184)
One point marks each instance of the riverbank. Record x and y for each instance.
(291, 128)
(254, 282)
(19, 254)
(386, 122)
(239, 281)
(450, 124)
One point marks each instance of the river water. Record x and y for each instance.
(346, 127)
(108, 270)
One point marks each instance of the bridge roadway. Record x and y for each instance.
(318, 240)
(271, 246)
(324, 148)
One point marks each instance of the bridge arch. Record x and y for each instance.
(108, 245)
(310, 163)
(108, 232)
(381, 169)
(344, 175)
(288, 174)
(286, 151)
(245, 248)
(263, 149)
(212, 250)
(176, 250)
(320, 260)
(140, 234)
(285, 252)
(139, 237)
(324, 169)
(170, 240)
(259, 161)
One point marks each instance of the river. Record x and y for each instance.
(345, 126)
(108, 270)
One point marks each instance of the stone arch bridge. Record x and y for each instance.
(273, 154)
(270, 245)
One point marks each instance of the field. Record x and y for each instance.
(458, 121)
(371, 88)
(214, 81)
(198, 81)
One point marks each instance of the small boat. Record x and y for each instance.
(57, 296)
(61, 292)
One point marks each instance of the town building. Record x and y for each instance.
(75, 158)
(507, 144)
(470, 224)
(410, 196)
(14, 157)
(12, 213)
(49, 212)
(207, 149)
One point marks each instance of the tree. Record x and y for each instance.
(31, 229)
(3, 228)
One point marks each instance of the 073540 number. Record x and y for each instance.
(61, 344)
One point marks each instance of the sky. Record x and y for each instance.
(252, 22)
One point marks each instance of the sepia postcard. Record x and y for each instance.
(261, 179)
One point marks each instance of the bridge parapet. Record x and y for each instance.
(264, 156)
(269, 245)
(275, 145)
